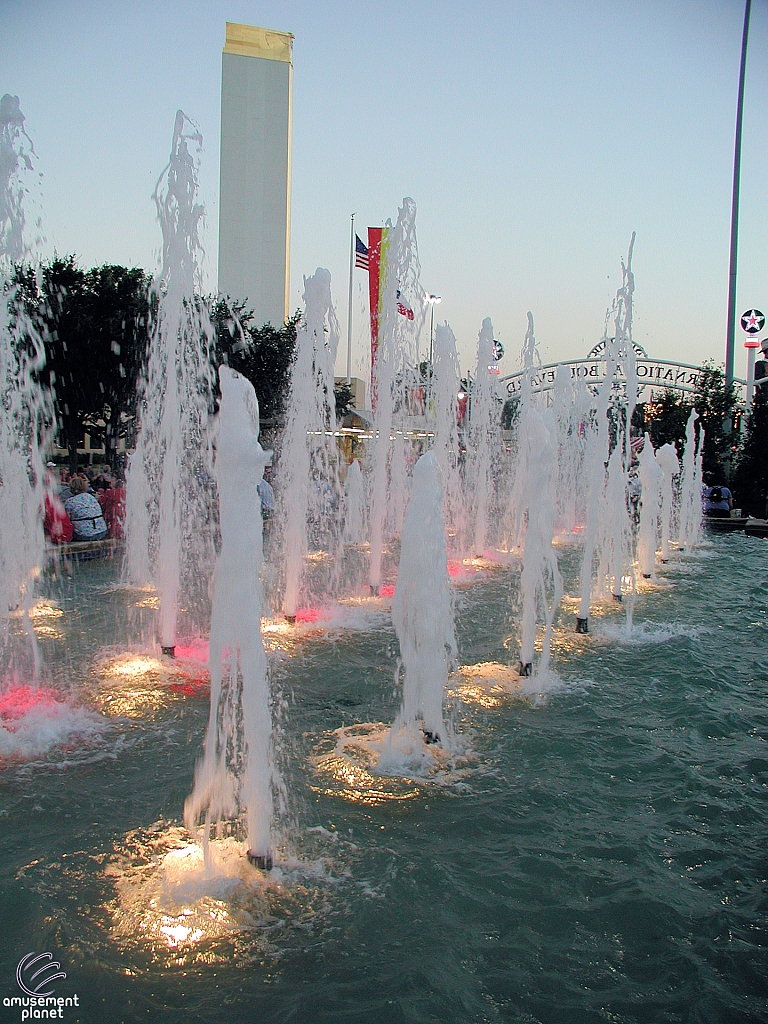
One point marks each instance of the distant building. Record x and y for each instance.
(255, 170)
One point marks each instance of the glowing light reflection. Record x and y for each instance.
(168, 899)
(348, 770)
(487, 684)
(132, 666)
(356, 784)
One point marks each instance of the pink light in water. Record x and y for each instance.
(462, 571)
(18, 701)
(388, 590)
(309, 614)
(195, 650)
(194, 688)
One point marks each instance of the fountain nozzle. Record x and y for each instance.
(582, 625)
(263, 861)
(291, 619)
(525, 669)
(430, 737)
(618, 597)
(169, 651)
(374, 589)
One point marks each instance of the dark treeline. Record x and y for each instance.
(728, 456)
(95, 326)
(666, 418)
(733, 457)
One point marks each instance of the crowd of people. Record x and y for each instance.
(85, 506)
(89, 505)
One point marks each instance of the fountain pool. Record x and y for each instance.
(596, 852)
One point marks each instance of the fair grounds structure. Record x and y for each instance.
(255, 170)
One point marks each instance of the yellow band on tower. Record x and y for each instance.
(250, 41)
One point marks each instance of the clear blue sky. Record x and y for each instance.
(534, 138)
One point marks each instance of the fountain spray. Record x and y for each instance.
(446, 445)
(667, 458)
(26, 410)
(690, 486)
(422, 609)
(596, 458)
(534, 502)
(396, 354)
(236, 770)
(308, 473)
(168, 479)
(651, 479)
(482, 435)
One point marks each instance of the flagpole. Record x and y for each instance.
(349, 315)
(730, 343)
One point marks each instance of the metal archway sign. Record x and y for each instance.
(655, 374)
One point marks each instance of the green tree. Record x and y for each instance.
(118, 315)
(750, 482)
(666, 418)
(510, 412)
(262, 354)
(715, 403)
(55, 299)
(343, 396)
(94, 328)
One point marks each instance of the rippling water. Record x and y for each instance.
(597, 853)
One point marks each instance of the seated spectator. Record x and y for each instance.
(266, 495)
(64, 491)
(112, 502)
(56, 525)
(718, 501)
(84, 512)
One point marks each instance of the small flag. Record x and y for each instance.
(361, 253)
(403, 308)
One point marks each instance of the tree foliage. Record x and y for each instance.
(715, 404)
(666, 418)
(262, 354)
(750, 482)
(94, 328)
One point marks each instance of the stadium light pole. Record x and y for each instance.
(730, 343)
(433, 301)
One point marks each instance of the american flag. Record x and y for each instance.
(361, 253)
(403, 308)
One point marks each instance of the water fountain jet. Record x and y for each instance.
(236, 770)
(307, 478)
(422, 613)
(651, 478)
(667, 458)
(168, 491)
(26, 409)
(534, 503)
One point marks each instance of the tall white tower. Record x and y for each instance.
(255, 170)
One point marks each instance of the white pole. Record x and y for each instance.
(750, 377)
(349, 315)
